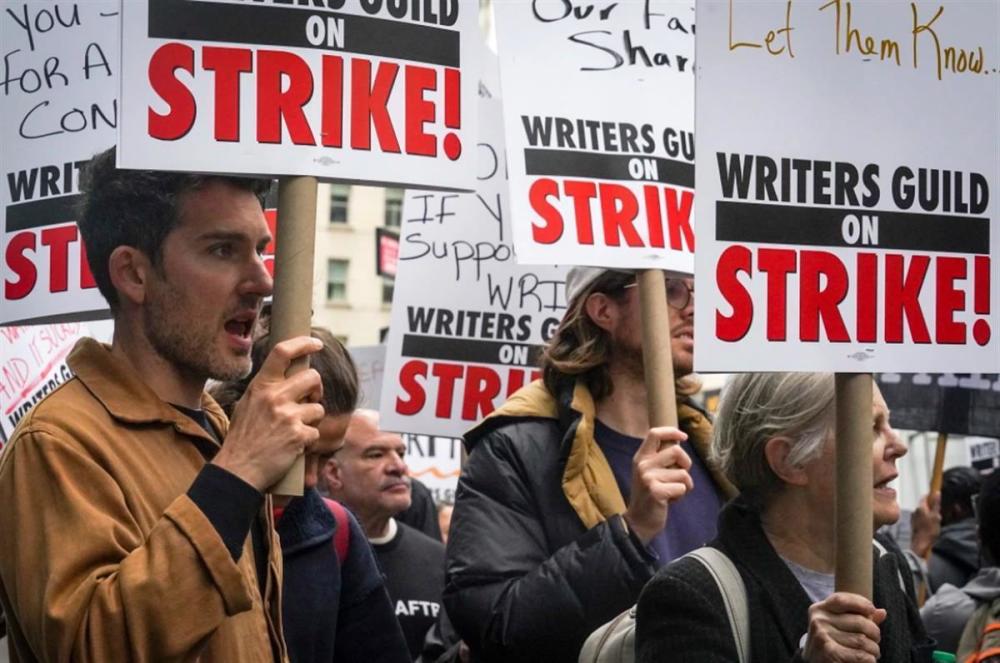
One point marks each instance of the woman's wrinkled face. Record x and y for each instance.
(887, 448)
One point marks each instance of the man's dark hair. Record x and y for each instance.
(959, 485)
(334, 364)
(988, 512)
(136, 208)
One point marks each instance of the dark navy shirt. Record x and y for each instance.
(691, 522)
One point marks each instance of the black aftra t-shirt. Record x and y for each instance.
(413, 564)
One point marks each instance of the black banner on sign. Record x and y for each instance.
(43, 212)
(470, 350)
(190, 20)
(956, 403)
(823, 226)
(595, 165)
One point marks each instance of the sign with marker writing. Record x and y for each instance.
(32, 365)
(599, 119)
(356, 90)
(848, 207)
(59, 103)
(467, 322)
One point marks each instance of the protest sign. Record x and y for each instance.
(963, 404)
(467, 322)
(369, 360)
(845, 200)
(599, 119)
(32, 365)
(356, 90)
(437, 461)
(60, 107)
(984, 455)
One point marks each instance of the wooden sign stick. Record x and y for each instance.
(291, 311)
(658, 362)
(937, 477)
(854, 483)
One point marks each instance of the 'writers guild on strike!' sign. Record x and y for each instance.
(850, 226)
(599, 118)
(826, 204)
(353, 89)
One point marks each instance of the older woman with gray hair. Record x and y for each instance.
(774, 439)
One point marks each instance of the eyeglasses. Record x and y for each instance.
(679, 293)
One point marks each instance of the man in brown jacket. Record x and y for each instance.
(132, 521)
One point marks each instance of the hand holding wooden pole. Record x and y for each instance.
(291, 312)
(854, 483)
(658, 360)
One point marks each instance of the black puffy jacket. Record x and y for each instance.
(538, 554)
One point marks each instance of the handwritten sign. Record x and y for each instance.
(354, 90)
(59, 102)
(848, 204)
(599, 118)
(32, 365)
(467, 323)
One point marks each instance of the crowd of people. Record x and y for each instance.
(138, 525)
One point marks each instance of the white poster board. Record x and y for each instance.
(32, 365)
(599, 119)
(371, 92)
(984, 454)
(59, 107)
(369, 360)
(848, 186)
(467, 322)
(435, 460)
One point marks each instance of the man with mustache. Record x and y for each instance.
(369, 476)
(569, 501)
(135, 522)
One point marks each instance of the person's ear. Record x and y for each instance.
(777, 451)
(331, 473)
(602, 310)
(129, 269)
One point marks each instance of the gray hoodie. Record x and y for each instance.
(946, 613)
(955, 556)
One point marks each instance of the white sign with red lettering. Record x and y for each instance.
(599, 119)
(32, 365)
(59, 106)
(356, 90)
(848, 205)
(467, 322)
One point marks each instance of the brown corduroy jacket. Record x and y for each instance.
(103, 557)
